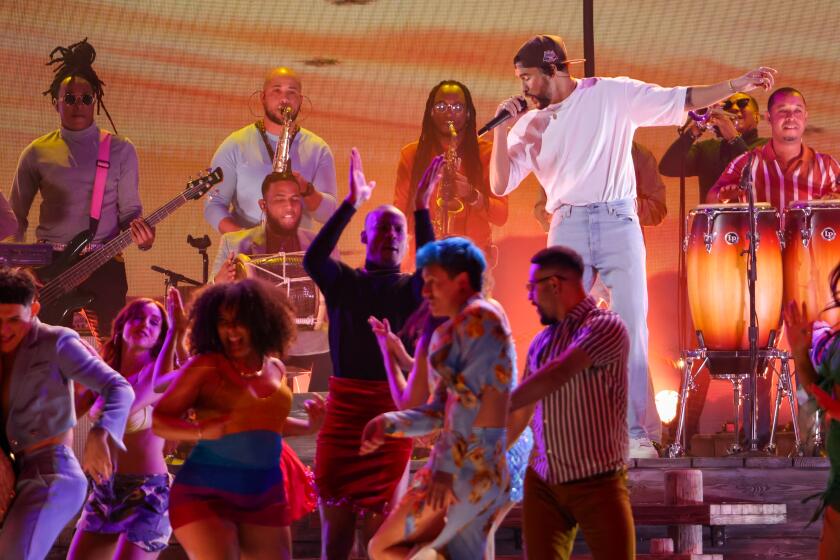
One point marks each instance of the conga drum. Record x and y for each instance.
(812, 251)
(717, 245)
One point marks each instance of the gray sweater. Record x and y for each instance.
(61, 166)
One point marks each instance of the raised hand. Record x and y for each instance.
(360, 189)
(428, 183)
(799, 328)
(175, 311)
(762, 77)
(389, 342)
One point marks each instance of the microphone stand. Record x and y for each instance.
(747, 185)
(201, 243)
(172, 278)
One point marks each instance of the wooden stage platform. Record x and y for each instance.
(776, 480)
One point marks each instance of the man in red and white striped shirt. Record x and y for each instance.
(574, 390)
(784, 169)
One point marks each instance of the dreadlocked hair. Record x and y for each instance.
(468, 149)
(77, 61)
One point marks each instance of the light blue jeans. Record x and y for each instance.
(50, 490)
(608, 237)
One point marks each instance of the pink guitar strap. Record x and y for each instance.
(103, 163)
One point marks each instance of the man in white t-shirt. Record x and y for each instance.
(577, 142)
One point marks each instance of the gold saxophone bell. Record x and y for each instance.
(448, 204)
(282, 163)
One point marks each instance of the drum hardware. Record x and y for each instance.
(752, 277)
(285, 270)
(768, 356)
(819, 443)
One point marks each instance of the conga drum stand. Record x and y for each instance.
(706, 358)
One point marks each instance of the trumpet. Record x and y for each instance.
(703, 118)
(282, 163)
(448, 204)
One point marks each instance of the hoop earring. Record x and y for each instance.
(251, 110)
(303, 115)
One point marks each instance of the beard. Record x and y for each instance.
(271, 114)
(541, 101)
(545, 319)
(279, 228)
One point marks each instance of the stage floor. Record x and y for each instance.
(778, 480)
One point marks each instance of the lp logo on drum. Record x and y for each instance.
(828, 234)
(731, 238)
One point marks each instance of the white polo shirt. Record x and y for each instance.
(579, 149)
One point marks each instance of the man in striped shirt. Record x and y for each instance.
(574, 390)
(784, 169)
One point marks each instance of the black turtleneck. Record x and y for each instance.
(354, 294)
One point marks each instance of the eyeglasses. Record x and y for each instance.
(70, 99)
(442, 107)
(529, 287)
(742, 103)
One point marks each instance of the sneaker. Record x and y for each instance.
(642, 448)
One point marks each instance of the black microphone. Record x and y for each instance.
(501, 117)
(746, 173)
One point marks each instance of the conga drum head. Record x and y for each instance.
(812, 251)
(285, 270)
(717, 245)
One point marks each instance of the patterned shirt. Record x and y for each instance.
(811, 175)
(580, 430)
(470, 353)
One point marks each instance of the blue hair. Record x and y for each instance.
(455, 255)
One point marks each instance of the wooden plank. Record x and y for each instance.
(768, 462)
(811, 463)
(664, 463)
(677, 556)
(710, 514)
(717, 462)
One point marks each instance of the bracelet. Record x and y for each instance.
(731, 87)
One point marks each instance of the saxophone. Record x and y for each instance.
(448, 204)
(282, 164)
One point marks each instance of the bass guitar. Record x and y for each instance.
(59, 297)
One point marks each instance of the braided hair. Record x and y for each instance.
(77, 61)
(427, 145)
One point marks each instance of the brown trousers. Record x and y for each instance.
(830, 537)
(552, 514)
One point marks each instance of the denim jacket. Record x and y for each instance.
(41, 395)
